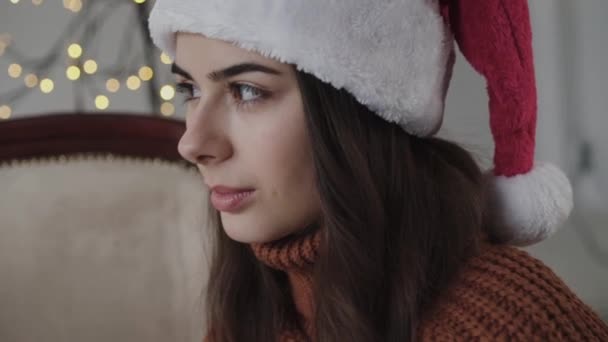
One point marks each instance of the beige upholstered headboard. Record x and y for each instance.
(102, 231)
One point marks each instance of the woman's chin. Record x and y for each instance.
(248, 233)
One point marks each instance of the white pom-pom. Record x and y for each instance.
(532, 206)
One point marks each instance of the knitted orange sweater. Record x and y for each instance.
(501, 294)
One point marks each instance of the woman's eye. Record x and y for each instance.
(246, 93)
(189, 90)
(242, 93)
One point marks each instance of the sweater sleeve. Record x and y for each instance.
(506, 294)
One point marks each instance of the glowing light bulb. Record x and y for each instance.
(112, 85)
(47, 85)
(5, 112)
(165, 58)
(146, 73)
(167, 92)
(73, 73)
(133, 82)
(167, 109)
(74, 50)
(90, 67)
(139, 1)
(14, 70)
(15, 1)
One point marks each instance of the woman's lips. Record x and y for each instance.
(230, 199)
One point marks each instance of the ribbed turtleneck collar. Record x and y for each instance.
(294, 255)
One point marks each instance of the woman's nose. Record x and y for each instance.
(205, 141)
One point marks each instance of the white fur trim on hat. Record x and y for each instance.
(391, 55)
(531, 206)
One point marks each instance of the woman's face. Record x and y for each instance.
(246, 132)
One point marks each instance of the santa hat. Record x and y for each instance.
(394, 56)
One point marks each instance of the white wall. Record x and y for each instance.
(580, 82)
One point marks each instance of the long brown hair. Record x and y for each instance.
(400, 215)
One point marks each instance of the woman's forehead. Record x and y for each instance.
(190, 47)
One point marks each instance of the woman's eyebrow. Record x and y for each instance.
(178, 70)
(237, 69)
(231, 71)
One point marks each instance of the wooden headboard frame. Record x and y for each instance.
(124, 134)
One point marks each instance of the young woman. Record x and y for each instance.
(338, 215)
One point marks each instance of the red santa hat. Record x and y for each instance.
(394, 56)
(532, 198)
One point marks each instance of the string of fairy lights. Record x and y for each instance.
(94, 84)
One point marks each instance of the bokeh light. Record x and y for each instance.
(167, 92)
(14, 70)
(133, 82)
(5, 41)
(74, 50)
(31, 80)
(47, 85)
(112, 85)
(102, 102)
(165, 58)
(146, 73)
(90, 67)
(73, 5)
(167, 109)
(72, 73)
(5, 112)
